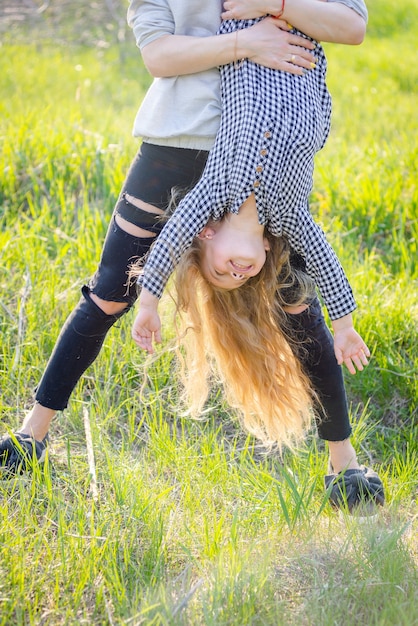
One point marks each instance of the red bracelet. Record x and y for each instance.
(282, 10)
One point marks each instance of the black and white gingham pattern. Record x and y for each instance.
(272, 125)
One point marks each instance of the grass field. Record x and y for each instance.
(189, 522)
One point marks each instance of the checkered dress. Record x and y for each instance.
(272, 125)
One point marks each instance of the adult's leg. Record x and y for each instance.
(351, 485)
(136, 221)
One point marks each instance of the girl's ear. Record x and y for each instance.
(206, 233)
(266, 244)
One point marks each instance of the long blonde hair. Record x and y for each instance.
(239, 338)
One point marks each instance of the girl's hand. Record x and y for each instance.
(146, 329)
(349, 347)
(147, 325)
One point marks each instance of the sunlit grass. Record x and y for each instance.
(192, 522)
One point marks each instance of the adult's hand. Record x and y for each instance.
(270, 43)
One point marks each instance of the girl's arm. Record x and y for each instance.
(187, 221)
(308, 239)
(147, 324)
(322, 264)
(337, 21)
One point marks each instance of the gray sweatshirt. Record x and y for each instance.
(183, 111)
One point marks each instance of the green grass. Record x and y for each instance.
(192, 523)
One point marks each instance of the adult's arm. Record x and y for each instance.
(167, 54)
(336, 21)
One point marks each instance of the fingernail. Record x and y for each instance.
(289, 25)
(313, 65)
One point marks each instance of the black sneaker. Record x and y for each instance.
(356, 490)
(18, 452)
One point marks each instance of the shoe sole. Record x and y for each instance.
(42, 457)
(360, 519)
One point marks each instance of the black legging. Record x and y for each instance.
(155, 173)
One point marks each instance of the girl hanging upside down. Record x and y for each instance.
(231, 235)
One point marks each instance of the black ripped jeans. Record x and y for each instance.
(154, 174)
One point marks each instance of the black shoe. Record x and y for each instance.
(353, 489)
(18, 452)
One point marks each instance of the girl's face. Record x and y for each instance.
(230, 256)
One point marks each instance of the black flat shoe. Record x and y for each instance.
(355, 489)
(19, 452)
